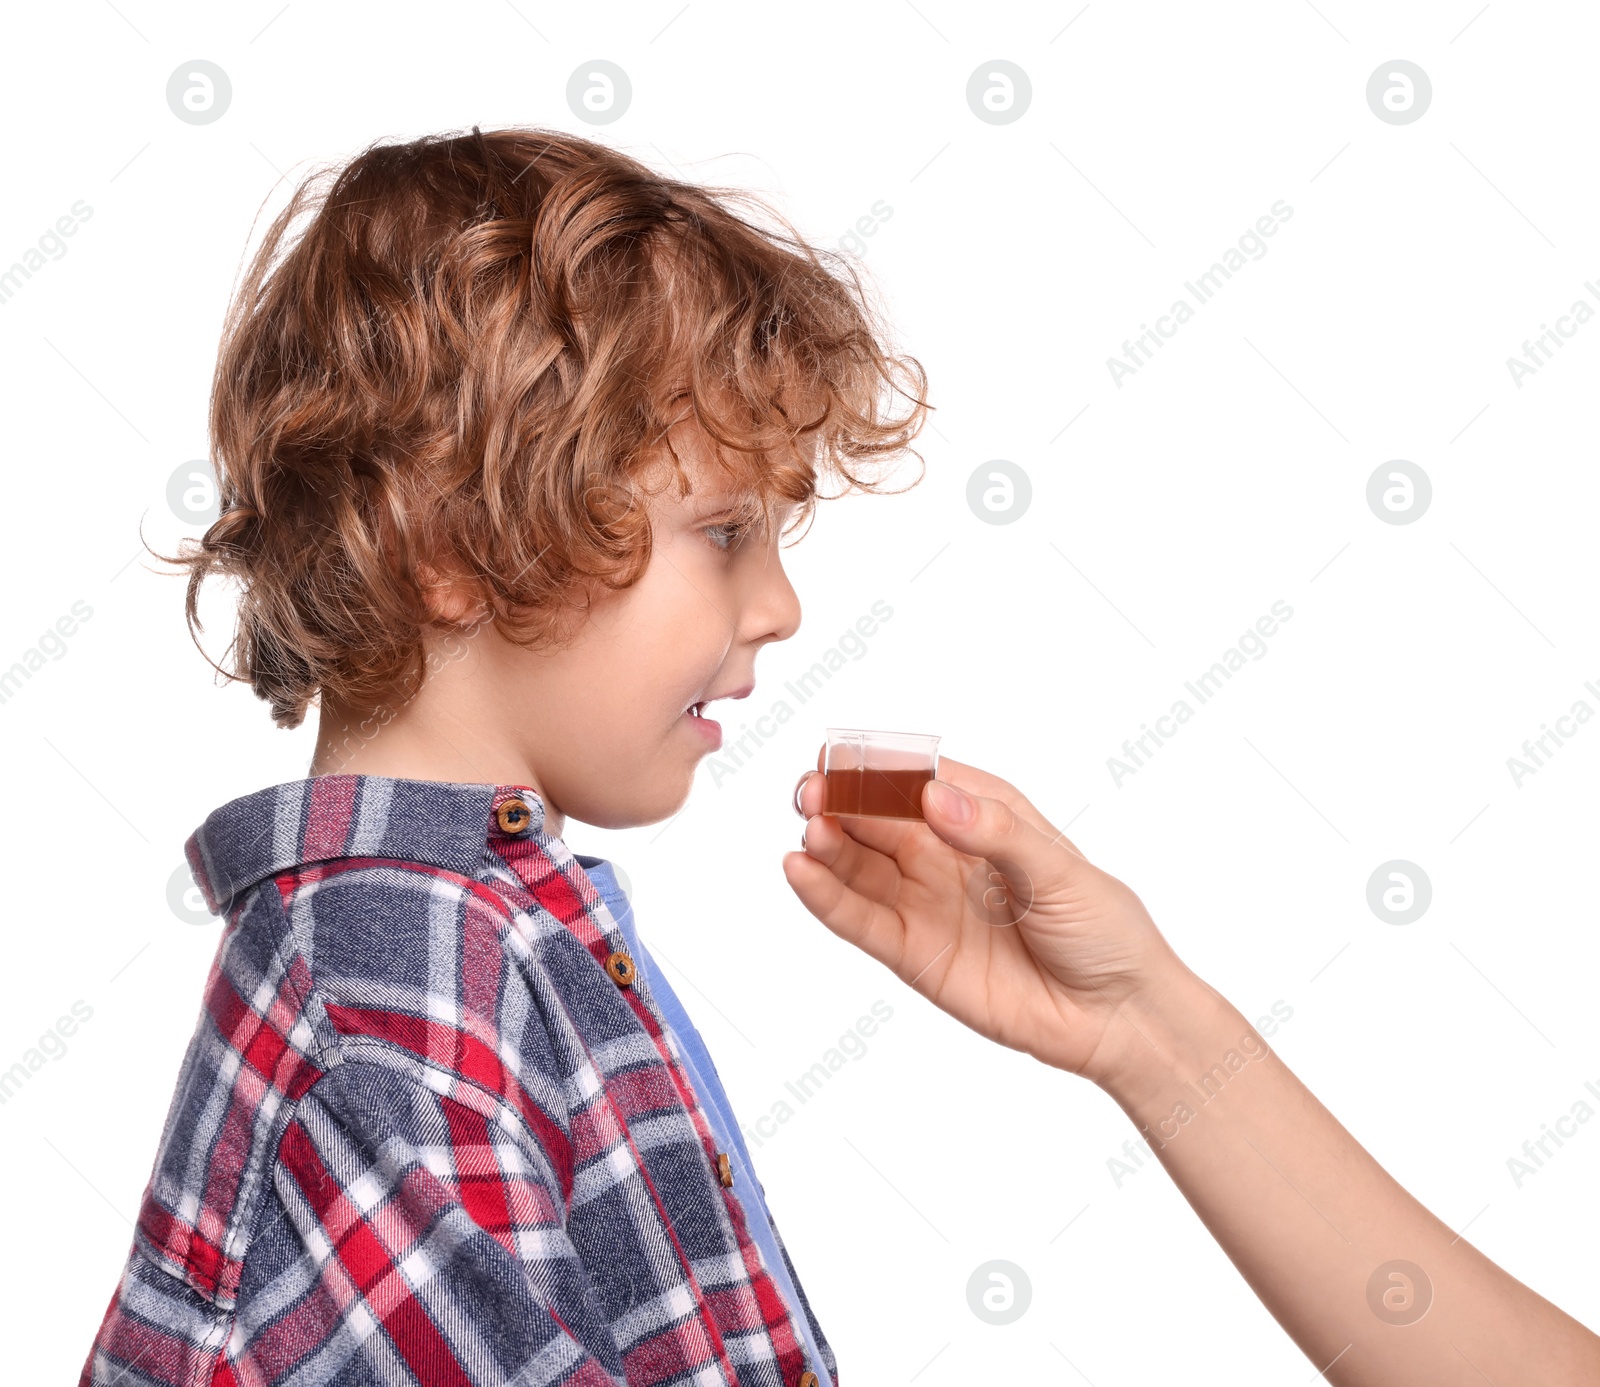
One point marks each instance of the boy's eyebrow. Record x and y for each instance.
(718, 500)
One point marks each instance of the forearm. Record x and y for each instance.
(1314, 1223)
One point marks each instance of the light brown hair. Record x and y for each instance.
(456, 355)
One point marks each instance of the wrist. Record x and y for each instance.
(1173, 1028)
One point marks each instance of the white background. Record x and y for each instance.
(1229, 473)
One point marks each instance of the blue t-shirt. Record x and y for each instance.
(714, 1102)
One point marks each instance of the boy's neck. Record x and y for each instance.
(422, 743)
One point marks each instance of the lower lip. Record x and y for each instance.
(708, 728)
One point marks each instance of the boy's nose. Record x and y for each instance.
(776, 610)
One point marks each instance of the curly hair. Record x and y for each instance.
(463, 359)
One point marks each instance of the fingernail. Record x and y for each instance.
(799, 785)
(952, 803)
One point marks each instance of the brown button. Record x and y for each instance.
(620, 966)
(809, 1379)
(724, 1169)
(514, 816)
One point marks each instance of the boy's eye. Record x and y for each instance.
(727, 533)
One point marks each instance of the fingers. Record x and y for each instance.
(863, 869)
(799, 787)
(980, 782)
(872, 928)
(808, 794)
(1033, 860)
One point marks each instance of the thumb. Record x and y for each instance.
(1032, 864)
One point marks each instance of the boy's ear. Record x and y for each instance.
(451, 598)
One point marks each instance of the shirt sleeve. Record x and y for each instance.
(430, 1245)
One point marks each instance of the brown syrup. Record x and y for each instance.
(874, 794)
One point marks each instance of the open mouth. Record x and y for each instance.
(697, 709)
(710, 728)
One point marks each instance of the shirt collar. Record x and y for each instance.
(445, 824)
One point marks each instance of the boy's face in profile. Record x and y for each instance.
(603, 725)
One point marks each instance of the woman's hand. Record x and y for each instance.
(1062, 961)
(994, 916)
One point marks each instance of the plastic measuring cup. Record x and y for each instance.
(877, 775)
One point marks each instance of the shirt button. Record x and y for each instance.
(620, 966)
(724, 1168)
(513, 816)
(808, 1379)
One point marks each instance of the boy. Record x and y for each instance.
(507, 437)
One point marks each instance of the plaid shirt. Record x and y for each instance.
(431, 1128)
